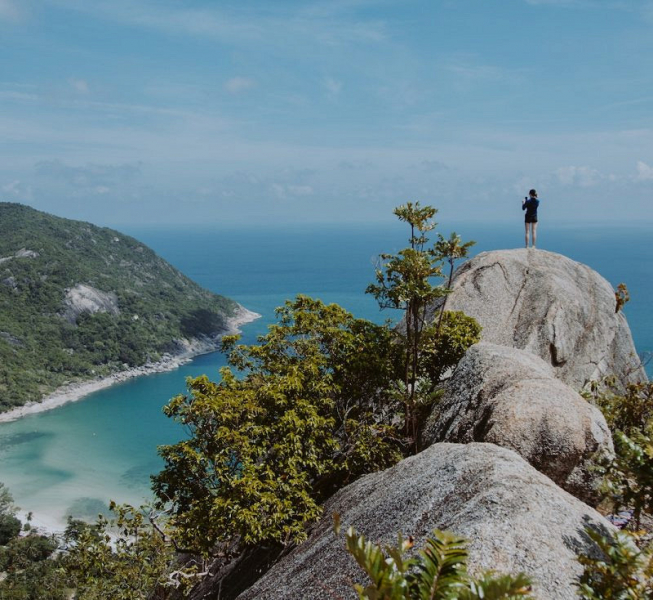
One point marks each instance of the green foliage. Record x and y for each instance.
(623, 572)
(442, 350)
(7, 506)
(627, 412)
(128, 559)
(451, 250)
(438, 572)
(10, 527)
(621, 297)
(629, 476)
(26, 550)
(32, 572)
(405, 282)
(307, 415)
(40, 350)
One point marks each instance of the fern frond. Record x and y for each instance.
(498, 587)
(441, 571)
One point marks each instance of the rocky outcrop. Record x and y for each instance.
(551, 306)
(86, 299)
(511, 398)
(515, 518)
(22, 253)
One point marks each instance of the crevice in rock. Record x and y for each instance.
(555, 361)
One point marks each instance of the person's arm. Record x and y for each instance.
(523, 204)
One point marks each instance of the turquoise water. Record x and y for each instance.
(74, 459)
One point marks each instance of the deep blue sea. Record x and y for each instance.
(74, 459)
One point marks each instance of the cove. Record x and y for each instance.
(74, 459)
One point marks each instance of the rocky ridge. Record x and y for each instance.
(511, 398)
(550, 306)
(515, 518)
(550, 327)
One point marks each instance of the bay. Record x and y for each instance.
(74, 459)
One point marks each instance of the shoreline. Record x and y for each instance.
(74, 392)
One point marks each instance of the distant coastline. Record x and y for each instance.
(79, 390)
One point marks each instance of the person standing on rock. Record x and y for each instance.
(530, 205)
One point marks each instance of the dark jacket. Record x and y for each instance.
(530, 206)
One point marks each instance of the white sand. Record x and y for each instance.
(77, 391)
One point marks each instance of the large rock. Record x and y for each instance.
(511, 398)
(552, 306)
(87, 299)
(515, 518)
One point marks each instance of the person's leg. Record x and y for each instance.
(526, 234)
(534, 235)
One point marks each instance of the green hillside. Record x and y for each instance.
(78, 301)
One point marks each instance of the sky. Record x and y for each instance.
(236, 113)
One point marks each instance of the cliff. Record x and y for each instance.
(509, 450)
(79, 301)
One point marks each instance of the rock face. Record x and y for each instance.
(551, 306)
(511, 398)
(86, 299)
(515, 518)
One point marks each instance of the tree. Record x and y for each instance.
(10, 526)
(404, 282)
(307, 415)
(137, 562)
(451, 249)
(628, 475)
(7, 506)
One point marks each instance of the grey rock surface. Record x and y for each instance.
(511, 398)
(87, 299)
(551, 306)
(515, 518)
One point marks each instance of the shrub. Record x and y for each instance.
(10, 527)
(438, 572)
(623, 571)
(265, 450)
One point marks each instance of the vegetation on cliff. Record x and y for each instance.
(321, 399)
(79, 301)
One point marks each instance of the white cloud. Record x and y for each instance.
(236, 26)
(12, 95)
(468, 68)
(333, 86)
(236, 85)
(300, 190)
(644, 171)
(11, 187)
(17, 190)
(283, 192)
(79, 85)
(97, 178)
(580, 176)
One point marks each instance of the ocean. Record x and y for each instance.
(74, 459)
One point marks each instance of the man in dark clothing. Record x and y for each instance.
(530, 205)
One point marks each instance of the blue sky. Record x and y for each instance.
(225, 112)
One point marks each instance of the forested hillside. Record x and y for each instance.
(78, 301)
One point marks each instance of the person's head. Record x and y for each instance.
(532, 194)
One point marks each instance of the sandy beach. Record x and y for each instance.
(76, 391)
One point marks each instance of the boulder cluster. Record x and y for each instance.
(507, 454)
